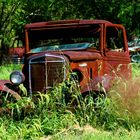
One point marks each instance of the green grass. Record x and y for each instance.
(93, 134)
(5, 70)
(136, 70)
(113, 118)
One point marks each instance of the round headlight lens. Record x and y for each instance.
(17, 77)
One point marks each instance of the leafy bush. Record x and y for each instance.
(6, 69)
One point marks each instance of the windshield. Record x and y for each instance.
(76, 46)
(70, 38)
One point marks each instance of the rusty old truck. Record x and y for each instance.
(96, 50)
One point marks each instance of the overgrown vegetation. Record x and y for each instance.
(53, 116)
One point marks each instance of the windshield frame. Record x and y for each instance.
(93, 31)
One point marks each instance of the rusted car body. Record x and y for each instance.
(96, 50)
(17, 54)
(134, 49)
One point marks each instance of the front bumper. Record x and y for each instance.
(5, 89)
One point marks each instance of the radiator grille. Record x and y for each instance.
(55, 73)
(38, 77)
(46, 73)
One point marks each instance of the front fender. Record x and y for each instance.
(5, 89)
(99, 84)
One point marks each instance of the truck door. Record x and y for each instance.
(116, 55)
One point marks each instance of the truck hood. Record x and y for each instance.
(72, 55)
(82, 55)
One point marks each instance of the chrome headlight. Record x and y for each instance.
(17, 77)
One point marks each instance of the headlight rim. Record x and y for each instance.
(17, 73)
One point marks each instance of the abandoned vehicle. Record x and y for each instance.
(96, 50)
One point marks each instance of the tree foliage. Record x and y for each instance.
(129, 13)
(125, 12)
(9, 17)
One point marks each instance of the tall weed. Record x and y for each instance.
(135, 70)
(125, 97)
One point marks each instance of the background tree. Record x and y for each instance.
(125, 12)
(129, 13)
(9, 15)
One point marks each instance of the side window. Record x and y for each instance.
(114, 39)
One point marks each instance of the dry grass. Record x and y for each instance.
(126, 98)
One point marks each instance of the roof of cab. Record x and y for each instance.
(65, 23)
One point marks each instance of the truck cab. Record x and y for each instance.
(96, 50)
